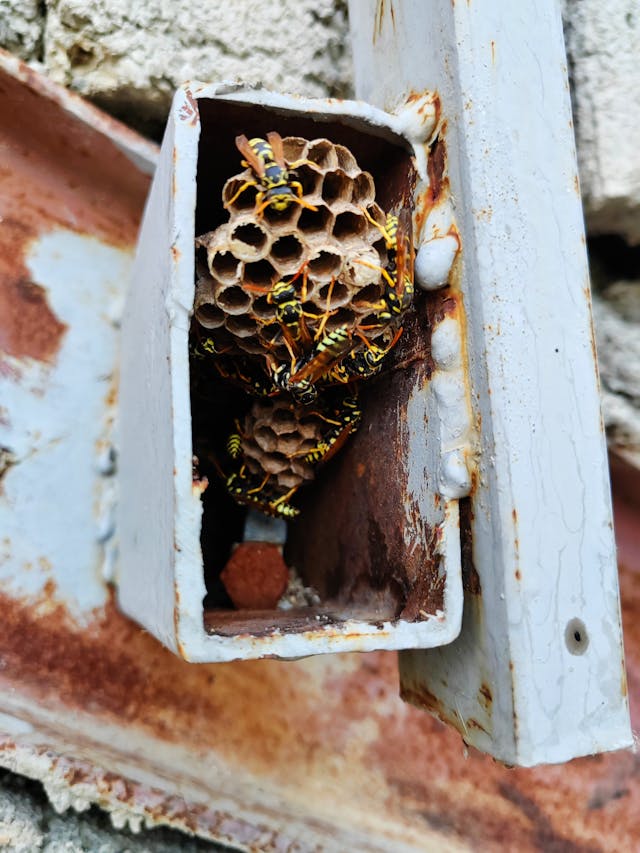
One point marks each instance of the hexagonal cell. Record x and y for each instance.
(332, 295)
(270, 334)
(323, 153)
(346, 160)
(310, 178)
(349, 224)
(364, 191)
(286, 254)
(209, 315)
(233, 299)
(224, 266)
(250, 345)
(377, 213)
(259, 274)
(336, 187)
(241, 326)
(249, 240)
(362, 270)
(315, 223)
(294, 148)
(282, 220)
(246, 201)
(367, 297)
(325, 265)
(342, 317)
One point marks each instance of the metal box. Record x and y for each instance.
(379, 534)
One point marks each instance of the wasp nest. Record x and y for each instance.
(276, 435)
(336, 249)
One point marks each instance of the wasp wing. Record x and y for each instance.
(275, 141)
(404, 250)
(327, 352)
(243, 146)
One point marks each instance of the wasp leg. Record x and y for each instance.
(283, 500)
(350, 416)
(244, 187)
(298, 199)
(327, 312)
(292, 166)
(388, 238)
(238, 486)
(382, 270)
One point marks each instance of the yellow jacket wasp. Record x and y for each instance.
(266, 158)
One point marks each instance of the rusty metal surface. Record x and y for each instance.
(264, 755)
(329, 736)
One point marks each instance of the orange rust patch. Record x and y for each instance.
(28, 328)
(56, 172)
(518, 574)
(576, 184)
(437, 164)
(493, 52)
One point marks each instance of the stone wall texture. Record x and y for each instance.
(603, 45)
(129, 56)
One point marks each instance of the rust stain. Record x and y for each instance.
(474, 724)
(55, 173)
(378, 19)
(424, 204)
(493, 52)
(576, 184)
(484, 213)
(28, 328)
(189, 112)
(437, 165)
(485, 694)
(518, 575)
(470, 577)
(292, 741)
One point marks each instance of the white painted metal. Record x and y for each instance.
(161, 580)
(56, 434)
(525, 681)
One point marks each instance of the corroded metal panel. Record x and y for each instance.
(541, 630)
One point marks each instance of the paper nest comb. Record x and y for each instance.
(342, 254)
(255, 252)
(276, 435)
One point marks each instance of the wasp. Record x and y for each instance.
(204, 347)
(234, 442)
(398, 274)
(326, 353)
(345, 419)
(289, 311)
(366, 362)
(248, 490)
(266, 158)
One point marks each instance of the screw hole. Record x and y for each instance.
(576, 637)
